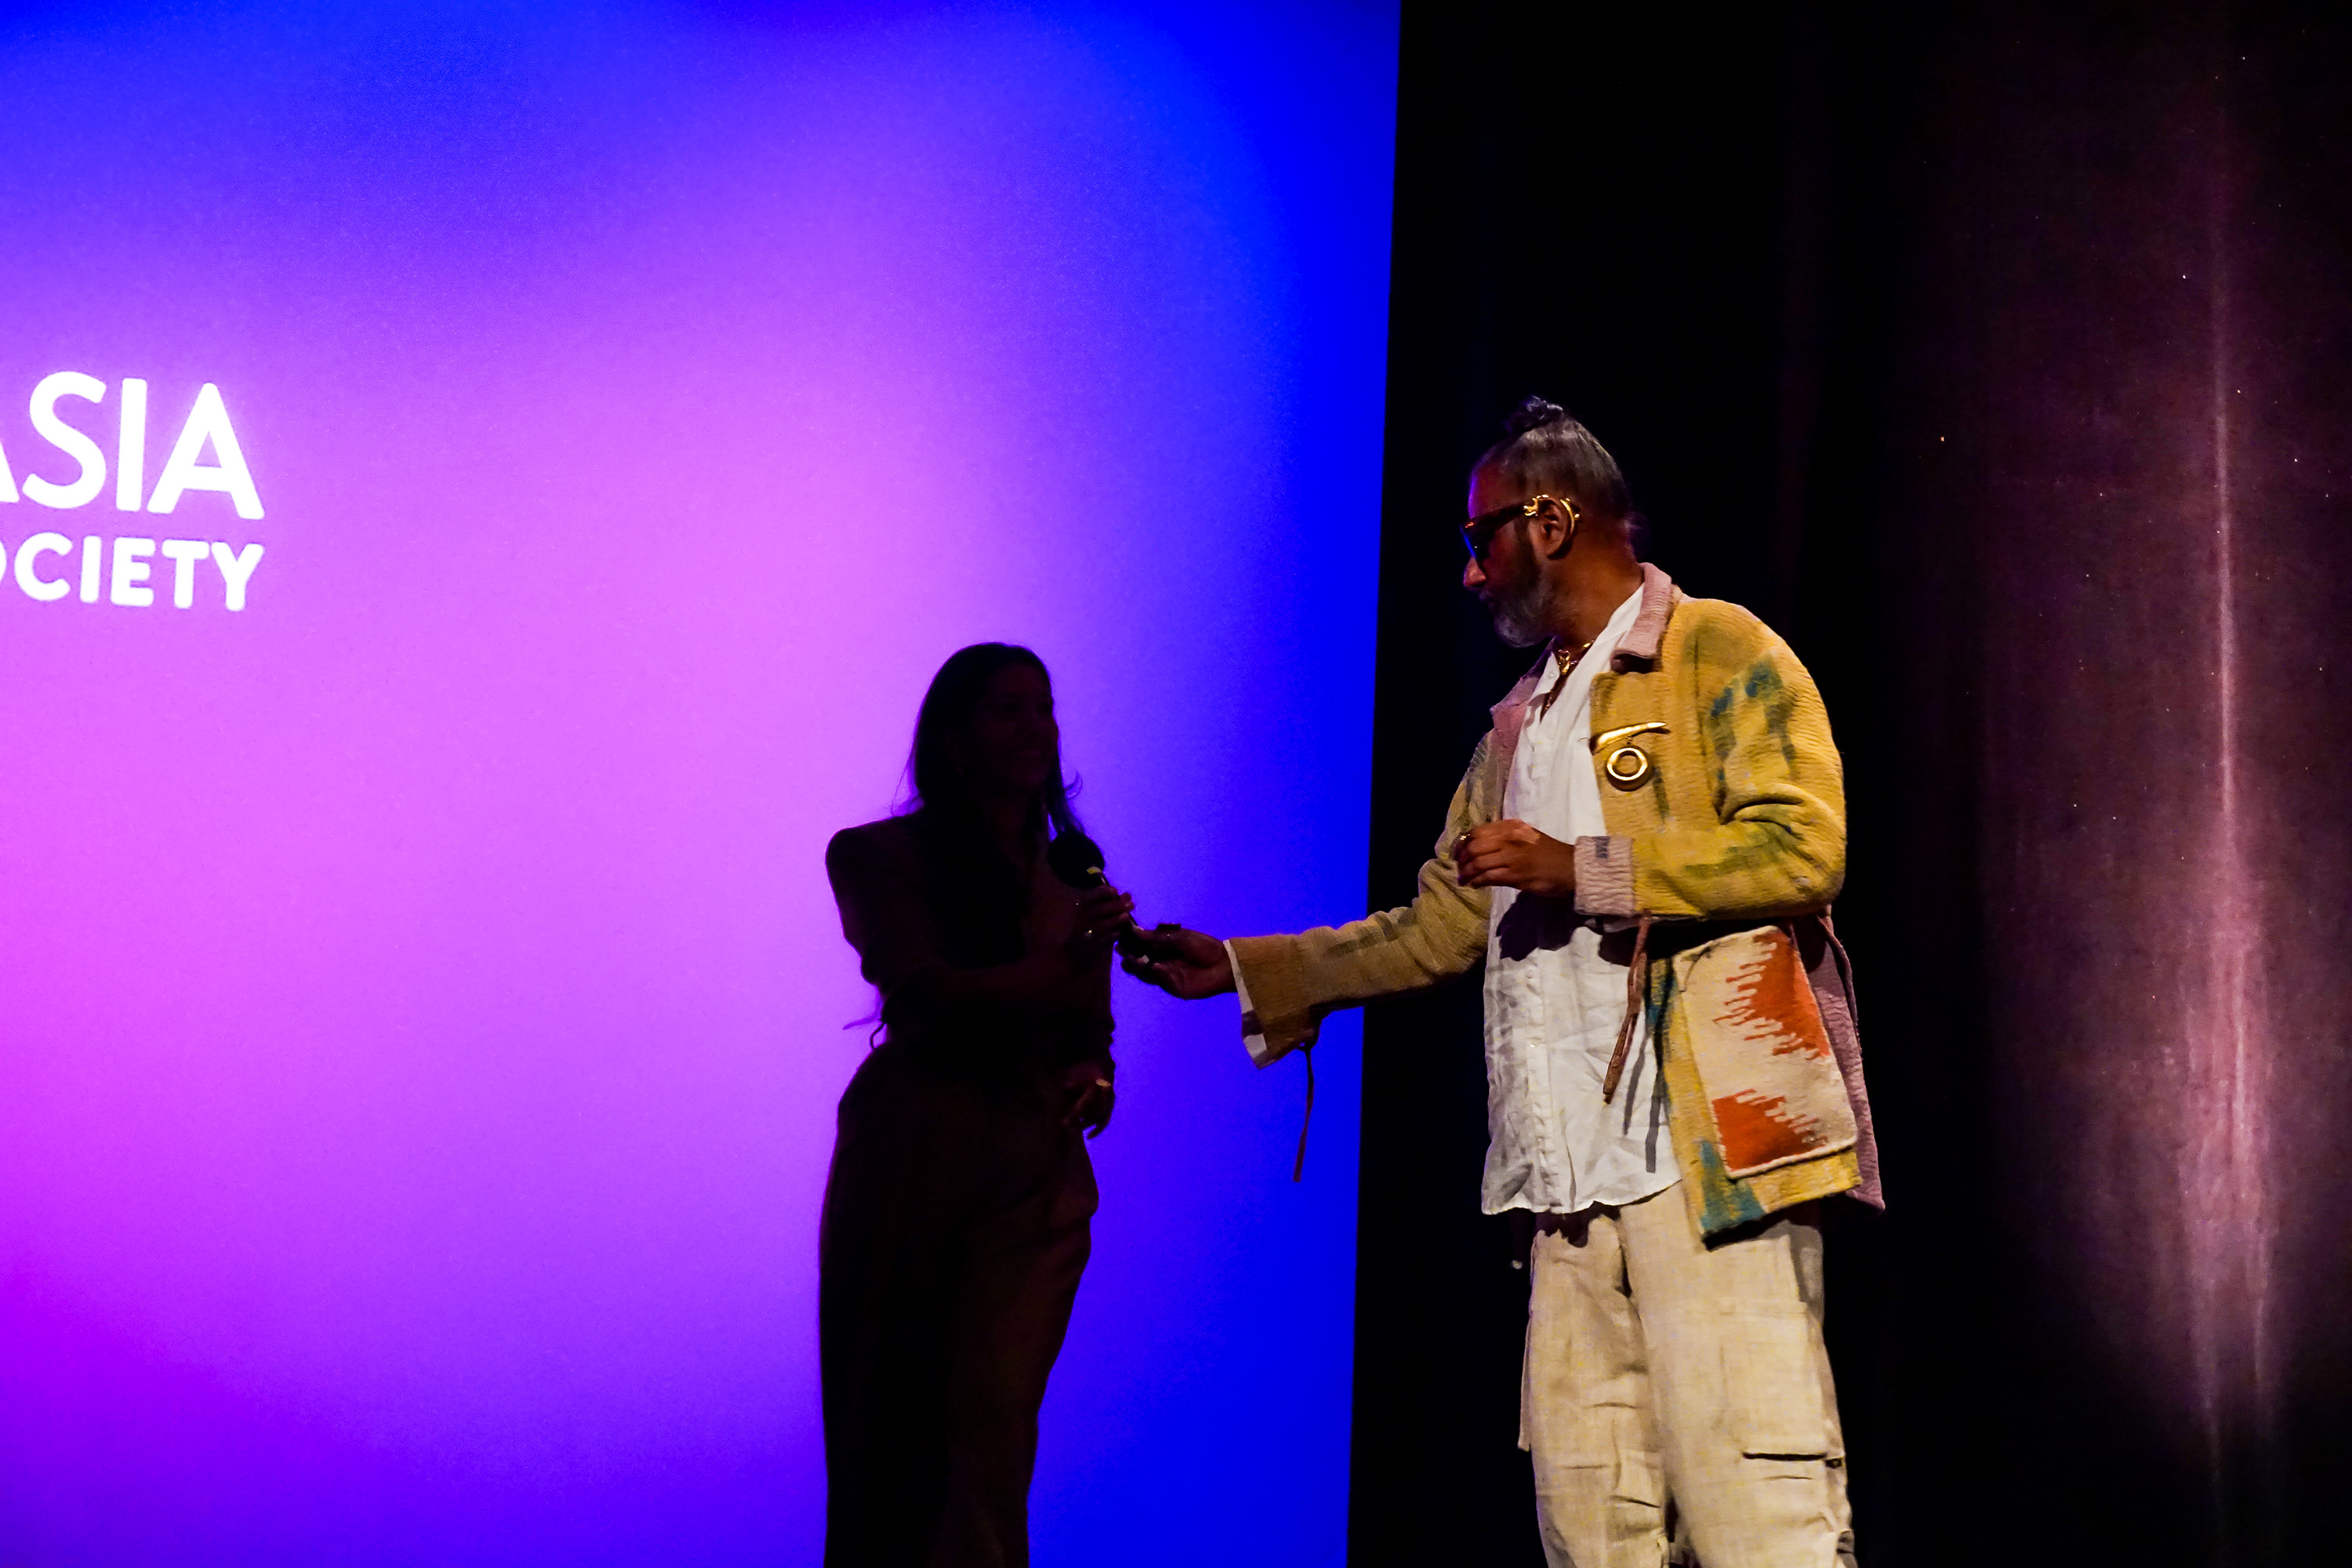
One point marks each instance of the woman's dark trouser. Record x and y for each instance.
(956, 1226)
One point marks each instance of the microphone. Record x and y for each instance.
(1076, 860)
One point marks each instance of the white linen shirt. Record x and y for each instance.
(1553, 1003)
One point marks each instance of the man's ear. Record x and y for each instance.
(1558, 522)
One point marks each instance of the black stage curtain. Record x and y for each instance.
(1998, 356)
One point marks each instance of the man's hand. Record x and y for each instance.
(1184, 963)
(1510, 854)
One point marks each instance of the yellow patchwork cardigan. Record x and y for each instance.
(1723, 797)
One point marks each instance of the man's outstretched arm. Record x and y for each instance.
(1291, 982)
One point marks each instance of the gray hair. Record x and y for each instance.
(1546, 452)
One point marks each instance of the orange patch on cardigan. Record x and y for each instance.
(1756, 1134)
(1772, 1083)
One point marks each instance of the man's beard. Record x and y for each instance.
(1521, 618)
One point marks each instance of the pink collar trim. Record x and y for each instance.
(1640, 642)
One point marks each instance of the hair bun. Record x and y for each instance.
(1533, 415)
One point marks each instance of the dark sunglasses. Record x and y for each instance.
(1480, 530)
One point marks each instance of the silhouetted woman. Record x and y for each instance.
(956, 1215)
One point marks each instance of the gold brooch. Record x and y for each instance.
(1624, 765)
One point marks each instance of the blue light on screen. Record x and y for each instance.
(425, 1004)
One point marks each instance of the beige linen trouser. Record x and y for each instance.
(1657, 1367)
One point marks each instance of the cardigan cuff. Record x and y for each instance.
(1276, 1017)
(1604, 877)
(1252, 1031)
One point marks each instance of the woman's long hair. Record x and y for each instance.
(977, 894)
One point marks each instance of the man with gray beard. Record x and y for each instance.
(1642, 854)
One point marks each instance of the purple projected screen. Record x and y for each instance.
(487, 487)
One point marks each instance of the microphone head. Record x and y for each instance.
(1076, 858)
